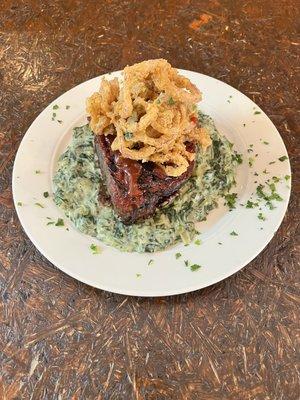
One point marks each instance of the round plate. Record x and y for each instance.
(221, 252)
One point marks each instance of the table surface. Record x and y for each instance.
(60, 339)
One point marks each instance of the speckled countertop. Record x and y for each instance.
(60, 339)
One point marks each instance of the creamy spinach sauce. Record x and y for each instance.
(78, 180)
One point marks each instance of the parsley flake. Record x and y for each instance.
(55, 107)
(231, 200)
(237, 157)
(59, 222)
(67, 107)
(39, 205)
(198, 242)
(138, 275)
(128, 135)
(257, 112)
(261, 217)
(150, 262)
(251, 204)
(178, 255)
(46, 194)
(250, 161)
(186, 262)
(171, 101)
(19, 203)
(95, 249)
(282, 158)
(264, 142)
(233, 233)
(287, 177)
(195, 267)
(37, 171)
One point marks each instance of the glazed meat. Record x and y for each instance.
(136, 189)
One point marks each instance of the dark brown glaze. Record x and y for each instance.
(136, 189)
(60, 339)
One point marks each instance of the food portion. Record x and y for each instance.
(149, 164)
(78, 182)
(151, 115)
(147, 135)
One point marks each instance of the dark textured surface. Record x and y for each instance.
(60, 339)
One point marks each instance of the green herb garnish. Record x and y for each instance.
(198, 242)
(46, 194)
(178, 255)
(37, 171)
(231, 200)
(272, 162)
(195, 267)
(19, 203)
(264, 142)
(251, 204)
(50, 223)
(257, 112)
(186, 262)
(138, 275)
(39, 205)
(276, 179)
(67, 107)
(95, 249)
(171, 101)
(128, 135)
(237, 157)
(60, 222)
(287, 177)
(233, 233)
(261, 217)
(150, 262)
(59, 121)
(282, 158)
(220, 243)
(250, 161)
(55, 107)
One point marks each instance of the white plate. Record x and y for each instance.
(129, 273)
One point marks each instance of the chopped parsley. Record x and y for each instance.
(272, 162)
(59, 222)
(67, 107)
(46, 194)
(276, 179)
(257, 112)
(233, 233)
(39, 205)
(178, 255)
(128, 135)
(19, 203)
(244, 125)
(264, 142)
(55, 107)
(198, 242)
(150, 262)
(268, 197)
(251, 204)
(250, 161)
(171, 101)
(95, 249)
(53, 116)
(50, 223)
(265, 171)
(220, 243)
(138, 275)
(282, 158)
(287, 177)
(237, 157)
(231, 200)
(195, 267)
(37, 171)
(186, 262)
(261, 217)
(59, 121)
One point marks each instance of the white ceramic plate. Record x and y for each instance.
(237, 117)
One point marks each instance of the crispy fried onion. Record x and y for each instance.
(152, 114)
